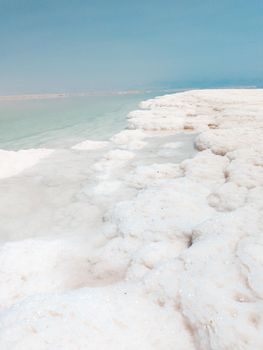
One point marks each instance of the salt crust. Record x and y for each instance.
(90, 145)
(178, 265)
(13, 163)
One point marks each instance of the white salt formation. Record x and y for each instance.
(129, 245)
(13, 163)
(90, 145)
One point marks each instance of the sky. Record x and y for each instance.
(82, 45)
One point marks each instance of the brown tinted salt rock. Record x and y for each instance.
(234, 119)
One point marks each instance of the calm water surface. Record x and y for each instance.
(63, 122)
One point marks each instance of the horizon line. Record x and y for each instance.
(53, 95)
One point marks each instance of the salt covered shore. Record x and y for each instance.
(13, 163)
(142, 248)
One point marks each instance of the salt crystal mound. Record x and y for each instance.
(177, 259)
(118, 317)
(90, 145)
(13, 163)
(130, 139)
(171, 208)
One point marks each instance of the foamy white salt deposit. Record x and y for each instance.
(13, 163)
(90, 145)
(140, 247)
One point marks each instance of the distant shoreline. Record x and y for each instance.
(66, 95)
(108, 93)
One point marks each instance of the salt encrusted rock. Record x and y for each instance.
(225, 301)
(154, 123)
(34, 266)
(252, 155)
(151, 255)
(245, 174)
(168, 210)
(234, 119)
(116, 317)
(249, 252)
(228, 197)
(130, 139)
(255, 196)
(246, 167)
(145, 175)
(206, 168)
(199, 111)
(221, 141)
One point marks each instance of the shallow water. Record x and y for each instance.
(63, 122)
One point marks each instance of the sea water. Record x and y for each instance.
(65, 121)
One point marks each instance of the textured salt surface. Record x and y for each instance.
(141, 242)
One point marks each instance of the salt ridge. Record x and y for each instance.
(177, 262)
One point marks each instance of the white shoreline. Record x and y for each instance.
(177, 260)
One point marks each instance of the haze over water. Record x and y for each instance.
(65, 46)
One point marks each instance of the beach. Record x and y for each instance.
(150, 238)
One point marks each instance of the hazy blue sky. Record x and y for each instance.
(76, 45)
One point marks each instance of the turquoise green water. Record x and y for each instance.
(63, 122)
